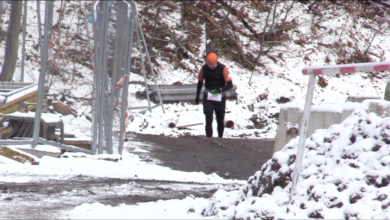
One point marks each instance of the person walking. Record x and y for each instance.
(217, 80)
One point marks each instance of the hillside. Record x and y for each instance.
(264, 44)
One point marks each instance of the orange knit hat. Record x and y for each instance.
(211, 58)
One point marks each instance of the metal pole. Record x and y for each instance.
(125, 88)
(24, 41)
(150, 62)
(143, 67)
(113, 90)
(95, 80)
(98, 68)
(98, 76)
(42, 75)
(39, 25)
(303, 132)
(103, 35)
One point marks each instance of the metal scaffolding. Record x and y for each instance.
(118, 43)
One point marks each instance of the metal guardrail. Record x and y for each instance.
(178, 93)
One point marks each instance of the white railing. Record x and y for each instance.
(313, 71)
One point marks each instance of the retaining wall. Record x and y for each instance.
(323, 116)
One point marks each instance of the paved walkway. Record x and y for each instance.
(229, 158)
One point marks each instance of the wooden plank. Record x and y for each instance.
(17, 156)
(185, 126)
(13, 105)
(20, 99)
(85, 144)
(31, 106)
(71, 148)
(67, 135)
(71, 141)
(5, 130)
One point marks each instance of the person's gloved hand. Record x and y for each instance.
(215, 91)
(197, 100)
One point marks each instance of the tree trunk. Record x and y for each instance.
(11, 49)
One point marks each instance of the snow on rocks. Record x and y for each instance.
(346, 174)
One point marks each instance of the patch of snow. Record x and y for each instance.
(345, 174)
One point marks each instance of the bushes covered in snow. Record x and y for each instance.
(346, 174)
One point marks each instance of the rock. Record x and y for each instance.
(282, 100)
(262, 97)
(257, 122)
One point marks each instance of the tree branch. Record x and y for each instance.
(207, 16)
(170, 5)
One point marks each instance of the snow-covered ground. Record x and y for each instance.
(343, 177)
(123, 173)
(188, 208)
(346, 174)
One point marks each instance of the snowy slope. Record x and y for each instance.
(345, 175)
(317, 40)
(346, 168)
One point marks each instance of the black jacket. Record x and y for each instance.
(214, 78)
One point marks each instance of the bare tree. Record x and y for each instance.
(11, 49)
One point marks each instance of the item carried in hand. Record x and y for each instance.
(215, 91)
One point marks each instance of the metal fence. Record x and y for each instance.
(109, 38)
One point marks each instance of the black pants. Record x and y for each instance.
(209, 107)
(220, 115)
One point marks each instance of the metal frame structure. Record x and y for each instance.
(142, 47)
(42, 76)
(145, 60)
(41, 87)
(313, 71)
(104, 89)
(104, 135)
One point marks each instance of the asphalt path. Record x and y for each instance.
(229, 158)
